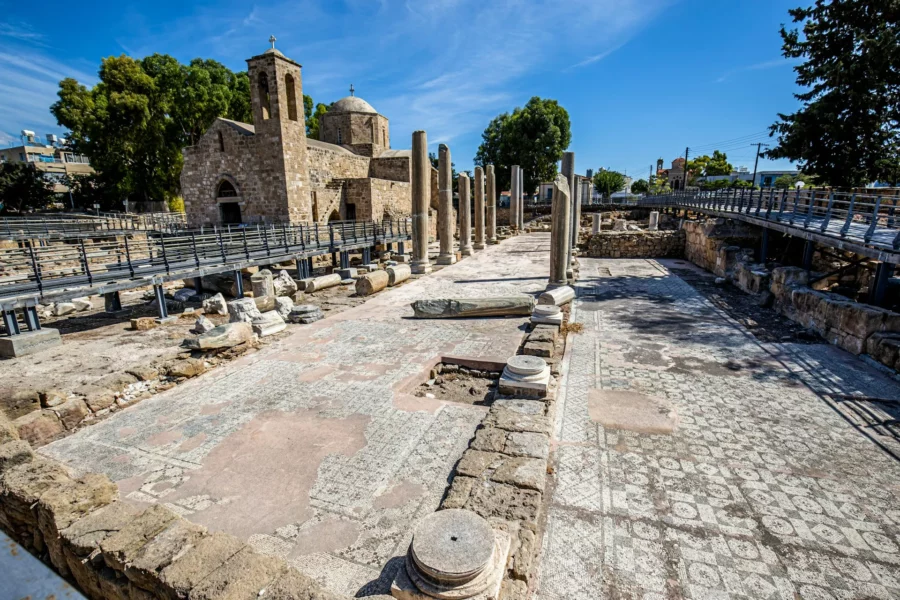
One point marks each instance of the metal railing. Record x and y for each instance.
(77, 265)
(867, 219)
(75, 225)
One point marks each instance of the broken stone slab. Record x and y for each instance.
(542, 349)
(82, 304)
(215, 305)
(268, 323)
(371, 283)
(620, 225)
(398, 274)
(222, 337)
(305, 314)
(320, 283)
(473, 307)
(522, 472)
(547, 314)
(63, 308)
(525, 375)
(184, 295)
(284, 285)
(262, 283)
(348, 273)
(557, 296)
(283, 306)
(243, 309)
(202, 325)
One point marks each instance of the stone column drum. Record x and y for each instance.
(654, 221)
(559, 233)
(445, 207)
(479, 208)
(568, 171)
(491, 205)
(595, 224)
(465, 217)
(421, 198)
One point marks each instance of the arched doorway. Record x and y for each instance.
(334, 216)
(229, 209)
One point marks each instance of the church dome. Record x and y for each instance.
(352, 104)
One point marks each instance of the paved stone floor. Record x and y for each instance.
(692, 461)
(315, 448)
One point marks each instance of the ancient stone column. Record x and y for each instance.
(559, 233)
(445, 207)
(654, 221)
(514, 197)
(521, 200)
(568, 171)
(421, 199)
(597, 221)
(479, 208)
(491, 205)
(465, 217)
(576, 216)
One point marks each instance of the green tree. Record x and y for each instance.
(717, 184)
(608, 182)
(533, 137)
(312, 121)
(23, 188)
(660, 185)
(134, 123)
(640, 187)
(846, 130)
(706, 165)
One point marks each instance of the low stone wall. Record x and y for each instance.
(115, 551)
(715, 245)
(637, 244)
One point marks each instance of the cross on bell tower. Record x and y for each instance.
(351, 89)
(272, 39)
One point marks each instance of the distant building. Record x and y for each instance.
(766, 179)
(50, 158)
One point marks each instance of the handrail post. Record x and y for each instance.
(194, 248)
(809, 213)
(871, 230)
(849, 219)
(128, 257)
(36, 268)
(246, 249)
(827, 218)
(84, 263)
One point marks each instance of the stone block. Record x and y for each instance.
(262, 283)
(84, 536)
(160, 551)
(199, 562)
(29, 342)
(97, 398)
(349, 273)
(243, 310)
(268, 323)
(525, 407)
(459, 492)
(861, 320)
(475, 462)
(294, 585)
(202, 325)
(18, 403)
(121, 548)
(61, 309)
(245, 575)
(143, 323)
(52, 397)
(8, 432)
(473, 307)
(489, 439)
(284, 285)
(533, 445)
(39, 427)
(186, 367)
(14, 453)
(221, 337)
(144, 372)
(491, 499)
(71, 413)
(215, 305)
(116, 382)
(511, 420)
(542, 349)
(528, 473)
(398, 274)
(23, 485)
(283, 306)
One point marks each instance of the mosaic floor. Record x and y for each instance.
(693, 462)
(315, 449)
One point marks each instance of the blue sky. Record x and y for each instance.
(641, 79)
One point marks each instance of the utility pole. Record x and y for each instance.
(756, 163)
(687, 152)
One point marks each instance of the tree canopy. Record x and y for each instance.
(134, 123)
(23, 188)
(705, 165)
(312, 119)
(640, 187)
(846, 130)
(608, 182)
(533, 137)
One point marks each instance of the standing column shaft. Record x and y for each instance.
(521, 199)
(514, 196)
(491, 205)
(445, 206)
(421, 199)
(568, 171)
(479, 208)
(576, 216)
(559, 233)
(465, 218)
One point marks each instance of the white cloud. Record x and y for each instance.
(761, 66)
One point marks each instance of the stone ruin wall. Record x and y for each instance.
(393, 168)
(111, 549)
(705, 241)
(376, 199)
(637, 244)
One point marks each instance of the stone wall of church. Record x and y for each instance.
(395, 168)
(254, 174)
(377, 199)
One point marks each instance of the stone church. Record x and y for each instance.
(271, 172)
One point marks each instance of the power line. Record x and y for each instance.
(741, 139)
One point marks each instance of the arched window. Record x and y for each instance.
(291, 97)
(340, 139)
(221, 143)
(226, 190)
(263, 89)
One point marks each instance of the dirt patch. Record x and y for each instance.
(452, 383)
(631, 411)
(764, 323)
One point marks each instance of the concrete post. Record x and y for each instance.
(491, 205)
(568, 171)
(421, 199)
(595, 224)
(559, 233)
(465, 217)
(654, 221)
(445, 207)
(479, 208)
